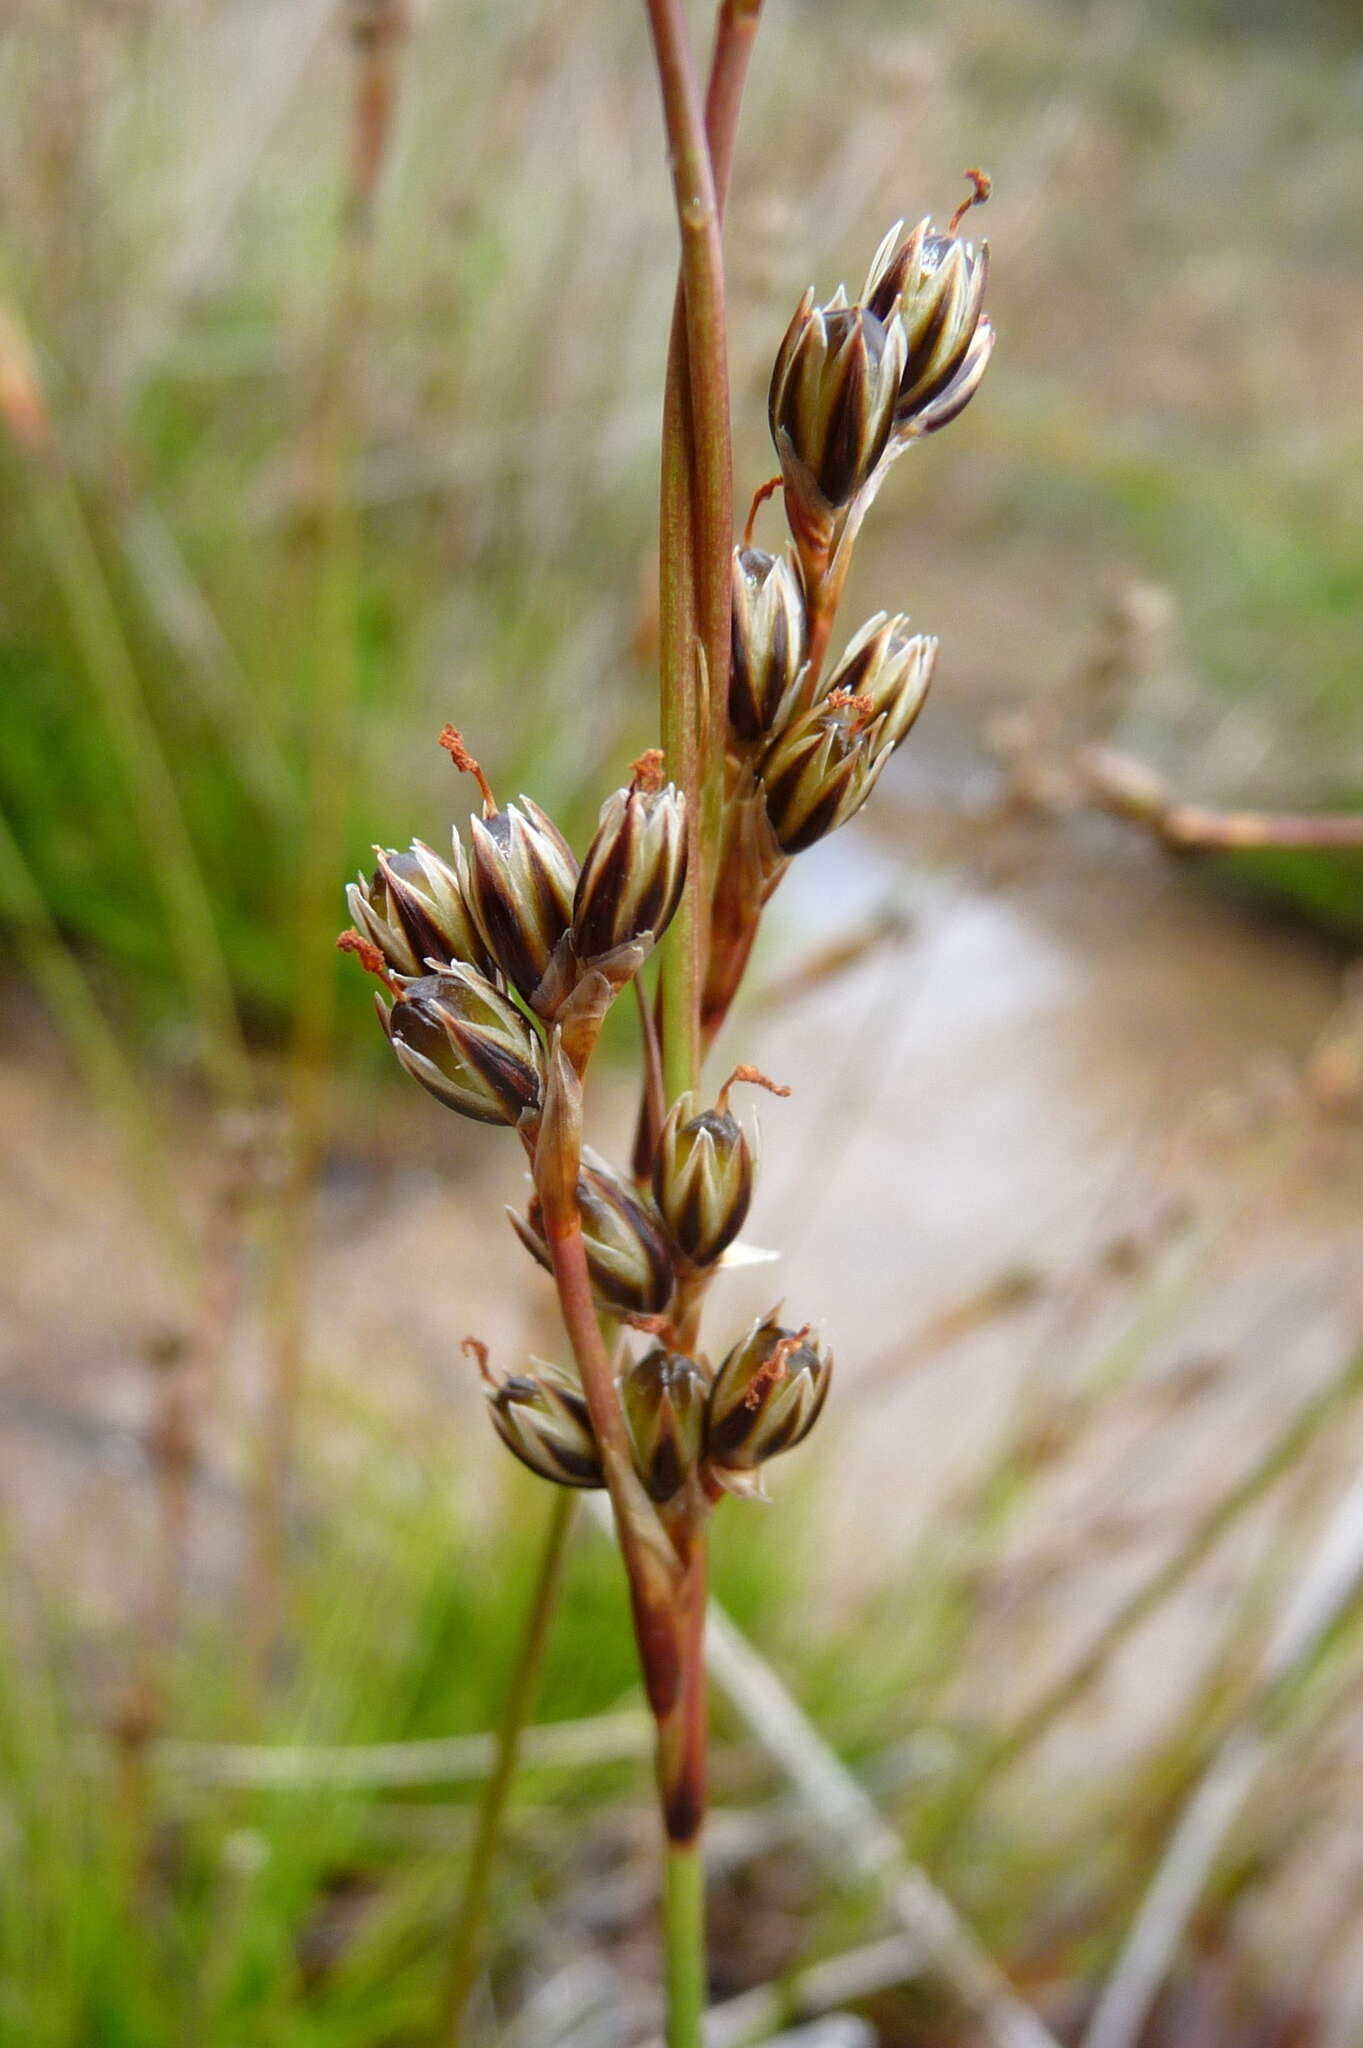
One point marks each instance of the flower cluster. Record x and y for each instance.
(485, 959)
(500, 963)
(854, 385)
(694, 1432)
(485, 953)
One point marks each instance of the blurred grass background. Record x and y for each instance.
(1179, 238)
(296, 518)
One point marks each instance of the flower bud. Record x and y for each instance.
(891, 671)
(770, 634)
(631, 881)
(518, 881)
(938, 281)
(414, 911)
(663, 1395)
(765, 1397)
(703, 1178)
(468, 1044)
(627, 1255)
(831, 403)
(543, 1418)
(820, 770)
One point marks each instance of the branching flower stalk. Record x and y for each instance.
(498, 965)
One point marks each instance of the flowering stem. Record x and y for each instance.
(734, 32)
(649, 1559)
(684, 1944)
(679, 678)
(682, 1790)
(826, 590)
(697, 496)
(681, 1734)
(520, 1699)
(694, 622)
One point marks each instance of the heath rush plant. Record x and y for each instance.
(498, 963)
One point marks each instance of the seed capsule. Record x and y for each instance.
(832, 400)
(631, 881)
(627, 1254)
(767, 1395)
(664, 1395)
(953, 399)
(703, 1178)
(820, 770)
(891, 671)
(413, 909)
(543, 1418)
(770, 635)
(518, 880)
(938, 281)
(468, 1044)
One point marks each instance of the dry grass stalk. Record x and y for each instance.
(376, 30)
(1327, 1590)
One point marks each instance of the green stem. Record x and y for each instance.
(520, 1699)
(681, 1759)
(697, 519)
(683, 978)
(694, 612)
(684, 1944)
(682, 713)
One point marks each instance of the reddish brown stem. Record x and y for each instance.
(682, 1775)
(652, 1569)
(735, 29)
(692, 731)
(822, 612)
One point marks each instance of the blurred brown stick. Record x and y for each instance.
(1126, 788)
